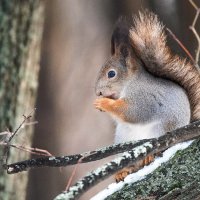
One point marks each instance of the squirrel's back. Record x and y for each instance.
(149, 43)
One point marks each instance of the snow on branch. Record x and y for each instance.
(133, 156)
(142, 173)
(106, 170)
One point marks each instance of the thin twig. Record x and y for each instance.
(181, 45)
(35, 151)
(13, 135)
(21, 124)
(193, 4)
(198, 41)
(72, 176)
(75, 169)
(73, 173)
(193, 29)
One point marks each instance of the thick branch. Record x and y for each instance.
(177, 179)
(88, 156)
(62, 161)
(138, 153)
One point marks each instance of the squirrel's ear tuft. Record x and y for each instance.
(120, 41)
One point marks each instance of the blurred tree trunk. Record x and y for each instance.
(21, 25)
(74, 49)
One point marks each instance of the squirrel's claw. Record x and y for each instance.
(122, 174)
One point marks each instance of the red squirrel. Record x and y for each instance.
(143, 86)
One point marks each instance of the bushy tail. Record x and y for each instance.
(149, 42)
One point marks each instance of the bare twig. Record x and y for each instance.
(181, 45)
(73, 174)
(12, 135)
(193, 29)
(193, 4)
(36, 151)
(21, 125)
(40, 151)
(75, 169)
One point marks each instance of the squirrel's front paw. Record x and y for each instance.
(103, 104)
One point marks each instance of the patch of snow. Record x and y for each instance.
(10, 169)
(142, 149)
(98, 170)
(139, 175)
(52, 158)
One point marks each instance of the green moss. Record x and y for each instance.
(15, 20)
(181, 170)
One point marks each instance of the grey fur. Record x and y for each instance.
(155, 105)
(156, 99)
(151, 100)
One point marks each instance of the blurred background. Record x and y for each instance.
(76, 42)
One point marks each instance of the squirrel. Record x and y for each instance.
(144, 87)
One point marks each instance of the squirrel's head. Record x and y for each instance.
(121, 66)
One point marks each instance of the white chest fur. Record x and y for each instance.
(127, 131)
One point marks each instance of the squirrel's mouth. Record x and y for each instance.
(112, 96)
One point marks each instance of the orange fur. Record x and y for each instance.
(114, 107)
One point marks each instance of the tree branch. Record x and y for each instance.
(172, 177)
(63, 161)
(137, 154)
(98, 154)
(136, 151)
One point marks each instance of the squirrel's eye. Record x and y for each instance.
(111, 74)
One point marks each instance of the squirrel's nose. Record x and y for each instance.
(98, 93)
